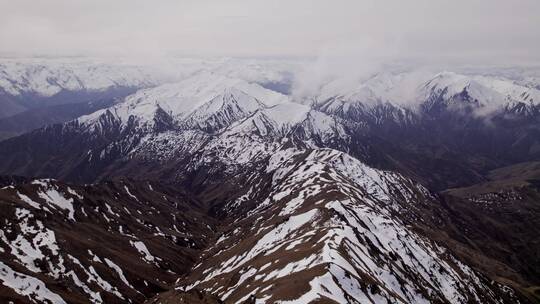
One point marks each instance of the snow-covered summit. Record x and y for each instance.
(486, 93)
(207, 100)
(190, 79)
(213, 99)
(282, 119)
(394, 87)
(46, 78)
(414, 88)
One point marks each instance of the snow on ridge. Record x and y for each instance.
(30, 202)
(333, 236)
(46, 78)
(28, 246)
(27, 286)
(53, 197)
(214, 98)
(491, 92)
(398, 88)
(143, 250)
(118, 271)
(277, 118)
(450, 84)
(130, 194)
(196, 94)
(282, 118)
(409, 89)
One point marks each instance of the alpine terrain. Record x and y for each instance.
(220, 181)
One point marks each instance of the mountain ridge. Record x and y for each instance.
(342, 196)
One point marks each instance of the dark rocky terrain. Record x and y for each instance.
(41, 116)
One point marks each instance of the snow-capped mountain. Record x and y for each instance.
(414, 91)
(485, 94)
(313, 224)
(207, 101)
(296, 199)
(212, 109)
(48, 77)
(327, 231)
(34, 93)
(37, 92)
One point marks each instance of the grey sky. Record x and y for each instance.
(488, 29)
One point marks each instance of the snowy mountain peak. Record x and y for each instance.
(287, 118)
(46, 78)
(209, 101)
(420, 89)
(489, 93)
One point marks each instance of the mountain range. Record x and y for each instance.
(223, 183)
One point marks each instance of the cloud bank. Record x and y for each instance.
(481, 29)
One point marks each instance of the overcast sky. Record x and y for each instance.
(488, 29)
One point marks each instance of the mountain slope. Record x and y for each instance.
(114, 242)
(446, 130)
(36, 118)
(333, 230)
